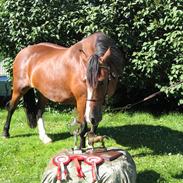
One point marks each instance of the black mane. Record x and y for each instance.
(103, 42)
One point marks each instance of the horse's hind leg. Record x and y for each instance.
(41, 128)
(11, 106)
(30, 107)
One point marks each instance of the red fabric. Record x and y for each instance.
(59, 174)
(93, 161)
(66, 159)
(57, 161)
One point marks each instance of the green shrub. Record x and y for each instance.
(149, 31)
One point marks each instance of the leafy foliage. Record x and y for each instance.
(149, 31)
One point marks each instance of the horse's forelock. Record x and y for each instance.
(92, 70)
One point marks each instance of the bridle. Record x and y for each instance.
(107, 85)
(110, 76)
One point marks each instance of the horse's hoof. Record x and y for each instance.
(46, 140)
(6, 135)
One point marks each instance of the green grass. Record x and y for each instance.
(156, 144)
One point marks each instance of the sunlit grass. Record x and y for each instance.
(155, 143)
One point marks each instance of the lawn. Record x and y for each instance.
(155, 143)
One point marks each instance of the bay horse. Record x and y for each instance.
(82, 74)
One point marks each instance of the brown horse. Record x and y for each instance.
(82, 74)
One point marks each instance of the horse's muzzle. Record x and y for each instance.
(96, 116)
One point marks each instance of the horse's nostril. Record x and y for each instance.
(92, 117)
(93, 120)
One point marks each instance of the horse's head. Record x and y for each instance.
(97, 82)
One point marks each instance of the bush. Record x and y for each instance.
(149, 31)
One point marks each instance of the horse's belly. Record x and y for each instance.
(58, 95)
(56, 82)
(54, 85)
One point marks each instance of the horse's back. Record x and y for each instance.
(49, 68)
(34, 53)
(47, 44)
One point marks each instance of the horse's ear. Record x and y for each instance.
(106, 55)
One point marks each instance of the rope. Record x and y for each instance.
(129, 106)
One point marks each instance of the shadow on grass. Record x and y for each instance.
(23, 135)
(55, 137)
(59, 136)
(179, 176)
(159, 139)
(149, 176)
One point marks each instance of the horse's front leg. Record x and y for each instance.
(84, 129)
(81, 120)
(94, 128)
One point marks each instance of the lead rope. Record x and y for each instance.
(128, 106)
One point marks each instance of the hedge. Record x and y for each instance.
(150, 32)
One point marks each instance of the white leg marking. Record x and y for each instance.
(87, 111)
(42, 133)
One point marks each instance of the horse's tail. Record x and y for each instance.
(30, 108)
